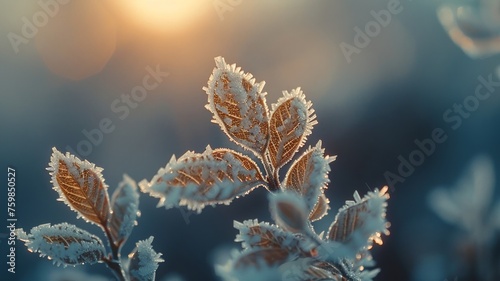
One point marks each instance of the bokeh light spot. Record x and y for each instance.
(161, 14)
(78, 41)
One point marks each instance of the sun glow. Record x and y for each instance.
(162, 14)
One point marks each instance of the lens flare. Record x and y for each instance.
(162, 14)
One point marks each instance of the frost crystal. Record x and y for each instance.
(64, 243)
(144, 261)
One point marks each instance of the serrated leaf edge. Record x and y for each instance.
(70, 159)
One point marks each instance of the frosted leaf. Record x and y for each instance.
(320, 209)
(81, 186)
(213, 177)
(292, 120)
(63, 243)
(467, 204)
(289, 211)
(125, 209)
(238, 106)
(308, 176)
(476, 29)
(362, 221)
(144, 261)
(255, 235)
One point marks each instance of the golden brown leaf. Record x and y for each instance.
(81, 186)
(268, 238)
(238, 106)
(320, 209)
(364, 216)
(213, 177)
(255, 235)
(347, 221)
(308, 175)
(292, 119)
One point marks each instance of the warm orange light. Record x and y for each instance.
(163, 14)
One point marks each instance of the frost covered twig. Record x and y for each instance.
(293, 250)
(273, 136)
(290, 250)
(81, 186)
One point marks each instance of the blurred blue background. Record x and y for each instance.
(84, 57)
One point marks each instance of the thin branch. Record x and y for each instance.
(115, 262)
(115, 268)
(271, 174)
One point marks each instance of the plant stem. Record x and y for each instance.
(115, 262)
(114, 249)
(116, 268)
(271, 174)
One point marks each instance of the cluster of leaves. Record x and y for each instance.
(217, 176)
(293, 251)
(81, 186)
(290, 250)
(469, 206)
